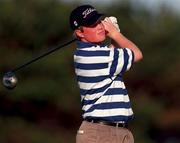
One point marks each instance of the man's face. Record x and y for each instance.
(94, 33)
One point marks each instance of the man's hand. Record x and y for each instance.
(110, 28)
(115, 22)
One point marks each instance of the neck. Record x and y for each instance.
(84, 40)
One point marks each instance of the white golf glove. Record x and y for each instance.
(114, 21)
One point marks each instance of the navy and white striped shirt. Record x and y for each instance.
(99, 71)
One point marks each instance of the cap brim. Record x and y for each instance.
(93, 19)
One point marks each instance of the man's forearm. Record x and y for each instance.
(119, 40)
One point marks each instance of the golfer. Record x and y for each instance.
(99, 68)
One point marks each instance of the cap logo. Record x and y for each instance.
(87, 12)
(75, 23)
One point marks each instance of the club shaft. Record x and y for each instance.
(43, 55)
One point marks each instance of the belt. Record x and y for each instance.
(114, 124)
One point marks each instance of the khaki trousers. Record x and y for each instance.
(99, 133)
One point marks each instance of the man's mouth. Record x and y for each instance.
(101, 33)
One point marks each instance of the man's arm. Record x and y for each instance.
(121, 40)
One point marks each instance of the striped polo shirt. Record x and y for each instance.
(99, 71)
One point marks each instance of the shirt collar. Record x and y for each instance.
(81, 44)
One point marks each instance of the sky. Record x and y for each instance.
(174, 5)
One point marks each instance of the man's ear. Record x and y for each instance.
(79, 33)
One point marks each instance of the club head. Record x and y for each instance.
(9, 80)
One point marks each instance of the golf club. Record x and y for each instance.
(10, 80)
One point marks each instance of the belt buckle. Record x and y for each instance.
(117, 124)
(120, 124)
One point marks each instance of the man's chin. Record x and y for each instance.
(100, 40)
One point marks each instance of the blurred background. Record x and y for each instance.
(45, 106)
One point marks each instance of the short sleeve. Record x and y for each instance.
(122, 60)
